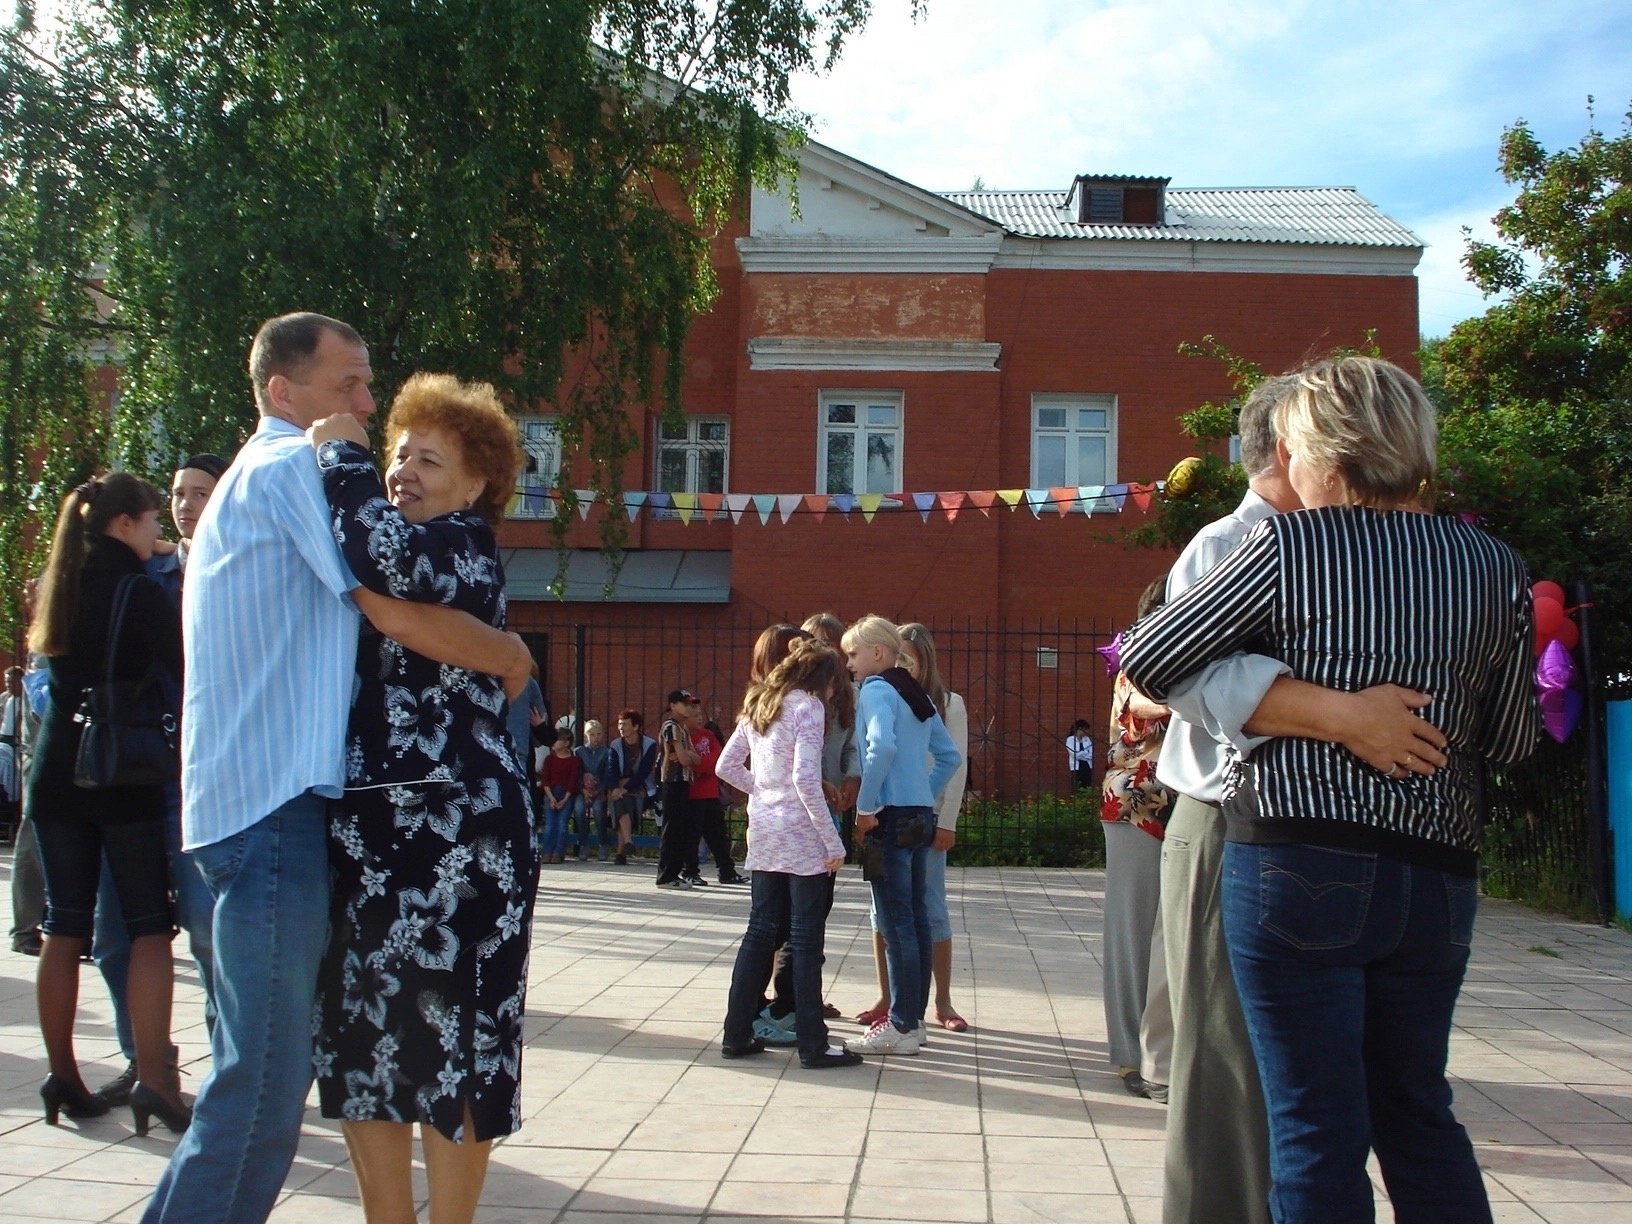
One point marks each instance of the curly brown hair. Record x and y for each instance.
(472, 413)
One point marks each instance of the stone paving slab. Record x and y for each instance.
(631, 1114)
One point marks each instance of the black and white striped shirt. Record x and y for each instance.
(1350, 597)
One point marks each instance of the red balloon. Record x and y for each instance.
(1548, 590)
(1568, 636)
(1549, 616)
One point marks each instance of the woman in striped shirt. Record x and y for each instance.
(1348, 892)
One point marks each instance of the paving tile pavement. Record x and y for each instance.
(631, 1114)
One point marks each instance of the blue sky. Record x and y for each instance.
(1404, 101)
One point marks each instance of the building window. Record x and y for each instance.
(692, 455)
(541, 439)
(860, 442)
(1073, 440)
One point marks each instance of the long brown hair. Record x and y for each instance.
(810, 666)
(771, 648)
(86, 511)
(916, 637)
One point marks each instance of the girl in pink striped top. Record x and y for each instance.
(792, 845)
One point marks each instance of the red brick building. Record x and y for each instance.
(886, 339)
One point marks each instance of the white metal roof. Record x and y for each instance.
(1323, 216)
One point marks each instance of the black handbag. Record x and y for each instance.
(129, 736)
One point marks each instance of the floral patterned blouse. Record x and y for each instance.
(1130, 791)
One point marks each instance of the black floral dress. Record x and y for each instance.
(422, 989)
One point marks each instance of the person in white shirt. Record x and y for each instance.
(1079, 754)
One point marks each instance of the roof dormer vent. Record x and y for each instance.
(1101, 199)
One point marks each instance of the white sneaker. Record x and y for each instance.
(885, 1038)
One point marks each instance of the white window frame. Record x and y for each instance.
(861, 400)
(695, 447)
(1071, 431)
(541, 439)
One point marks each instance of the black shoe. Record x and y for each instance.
(696, 881)
(145, 1104)
(754, 1046)
(116, 1092)
(1138, 1086)
(734, 878)
(831, 1058)
(61, 1097)
(28, 945)
(622, 860)
(1156, 1092)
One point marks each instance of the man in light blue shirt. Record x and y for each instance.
(270, 619)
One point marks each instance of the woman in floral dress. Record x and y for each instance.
(423, 987)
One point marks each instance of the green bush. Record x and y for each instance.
(1038, 831)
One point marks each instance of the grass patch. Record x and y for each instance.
(1544, 950)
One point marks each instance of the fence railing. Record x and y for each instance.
(1024, 684)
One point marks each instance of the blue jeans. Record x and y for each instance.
(271, 888)
(195, 912)
(583, 812)
(554, 833)
(799, 904)
(1348, 966)
(900, 900)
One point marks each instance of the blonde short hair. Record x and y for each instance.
(593, 724)
(872, 631)
(1367, 422)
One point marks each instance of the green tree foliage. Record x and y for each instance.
(1536, 427)
(521, 191)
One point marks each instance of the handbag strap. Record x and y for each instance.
(116, 623)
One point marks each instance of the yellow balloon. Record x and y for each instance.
(1182, 479)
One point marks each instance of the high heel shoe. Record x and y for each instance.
(146, 1104)
(61, 1097)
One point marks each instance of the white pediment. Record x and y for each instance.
(855, 216)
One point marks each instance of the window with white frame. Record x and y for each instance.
(541, 440)
(692, 455)
(860, 448)
(1073, 440)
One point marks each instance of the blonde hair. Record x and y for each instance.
(872, 630)
(915, 637)
(593, 724)
(1367, 422)
(810, 666)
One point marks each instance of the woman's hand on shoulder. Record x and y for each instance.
(341, 427)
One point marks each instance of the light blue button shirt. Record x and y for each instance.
(270, 638)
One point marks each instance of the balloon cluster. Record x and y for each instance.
(1557, 677)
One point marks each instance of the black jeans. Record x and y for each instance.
(782, 1001)
(677, 847)
(801, 902)
(71, 855)
(709, 818)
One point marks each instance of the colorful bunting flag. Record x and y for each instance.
(632, 502)
(843, 503)
(983, 499)
(787, 503)
(925, 503)
(1011, 497)
(685, 505)
(951, 503)
(1064, 498)
(1141, 495)
(711, 504)
(1037, 499)
(869, 503)
(764, 503)
(586, 499)
(817, 503)
(737, 504)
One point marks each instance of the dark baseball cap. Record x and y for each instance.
(212, 465)
(684, 697)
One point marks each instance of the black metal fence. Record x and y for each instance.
(1024, 684)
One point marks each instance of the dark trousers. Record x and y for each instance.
(801, 903)
(708, 816)
(782, 980)
(677, 847)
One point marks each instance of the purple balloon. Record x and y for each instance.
(1555, 669)
(1560, 711)
(1112, 654)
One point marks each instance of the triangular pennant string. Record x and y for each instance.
(1064, 498)
(586, 499)
(1011, 497)
(843, 503)
(1089, 496)
(816, 503)
(787, 503)
(1037, 499)
(632, 502)
(1141, 495)
(737, 504)
(869, 503)
(711, 504)
(925, 503)
(764, 503)
(659, 500)
(951, 503)
(685, 505)
(983, 499)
